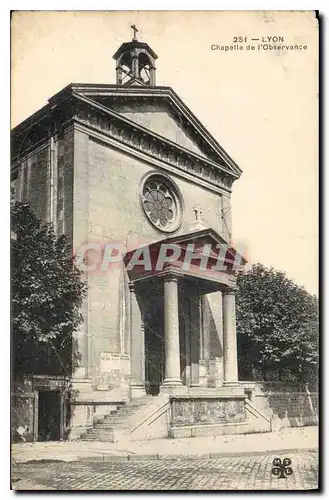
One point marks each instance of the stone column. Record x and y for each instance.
(195, 339)
(171, 333)
(184, 306)
(229, 339)
(137, 347)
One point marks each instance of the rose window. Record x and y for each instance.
(161, 203)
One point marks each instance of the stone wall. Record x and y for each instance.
(34, 181)
(22, 410)
(288, 405)
(294, 409)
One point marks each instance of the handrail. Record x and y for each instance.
(165, 403)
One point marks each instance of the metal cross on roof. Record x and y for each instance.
(135, 31)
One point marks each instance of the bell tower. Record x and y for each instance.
(135, 63)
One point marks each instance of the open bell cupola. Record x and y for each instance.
(135, 63)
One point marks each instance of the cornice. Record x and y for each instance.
(167, 94)
(104, 138)
(69, 106)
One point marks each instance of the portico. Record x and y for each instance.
(176, 284)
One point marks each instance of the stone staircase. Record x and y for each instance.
(150, 417)
(119, 422)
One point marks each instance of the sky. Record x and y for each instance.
(261, 106)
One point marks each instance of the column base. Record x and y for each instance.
(233, 387)
(172, 382)
(231, 383)
(171, 385)
(137, 391)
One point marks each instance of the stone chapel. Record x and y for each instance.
(130, 163)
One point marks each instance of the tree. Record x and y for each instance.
(47, 293)
(277, 327)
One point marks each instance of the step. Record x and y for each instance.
(99, 420)
(122, 414)
(108, 432)
(132, 407)
(106, 436)
(115, 422)
(108, 423)
(128, 410)
(94, 432)
(202, 430)
(101, 417)
(136, 403)
(102, 437)
(107, 428)
(118, 418)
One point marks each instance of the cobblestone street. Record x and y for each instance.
(224, 473)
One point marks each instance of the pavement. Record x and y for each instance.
(253, 472)
(292, 440)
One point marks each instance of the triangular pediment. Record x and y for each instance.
(200, 237)
(161, 111)
(157, 117)
(184, 253)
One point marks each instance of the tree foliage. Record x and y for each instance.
(277, 327)
(47, 293)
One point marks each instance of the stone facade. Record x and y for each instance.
(80, 162)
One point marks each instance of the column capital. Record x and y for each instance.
(171, 275)
(229, 291)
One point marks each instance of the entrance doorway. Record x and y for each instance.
(154, 340)
(49, 415)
